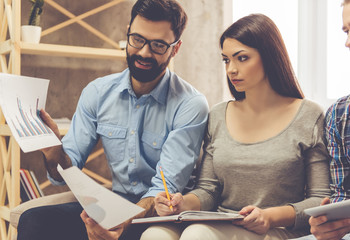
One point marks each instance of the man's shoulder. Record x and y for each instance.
(340, 107)
(114, 79)
(181, 88)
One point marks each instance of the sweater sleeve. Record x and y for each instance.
(317, 175)
(208, 186)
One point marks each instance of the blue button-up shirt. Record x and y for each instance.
(163, 128)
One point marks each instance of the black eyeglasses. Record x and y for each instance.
(157, 46)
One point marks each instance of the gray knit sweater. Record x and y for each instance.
(289, 168)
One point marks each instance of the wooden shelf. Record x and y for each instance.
(11, 50)
(63, 50)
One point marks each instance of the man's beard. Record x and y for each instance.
(143, 75)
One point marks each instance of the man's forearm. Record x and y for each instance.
(53, 157)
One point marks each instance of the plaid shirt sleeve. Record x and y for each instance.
(337, 131)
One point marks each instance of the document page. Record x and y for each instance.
(21, 99)
(104, 206)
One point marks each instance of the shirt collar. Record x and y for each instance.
(159, 93)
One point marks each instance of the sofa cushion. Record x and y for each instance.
(54, 199)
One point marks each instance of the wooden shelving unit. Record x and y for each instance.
(11, 50)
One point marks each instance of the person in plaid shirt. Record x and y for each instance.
(337, 131)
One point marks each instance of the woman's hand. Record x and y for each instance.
(162, 204)
(255, 220)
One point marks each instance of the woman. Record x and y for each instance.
(264, 154)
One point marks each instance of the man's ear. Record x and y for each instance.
(176, 48)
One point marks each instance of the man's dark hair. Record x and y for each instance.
(161, 10)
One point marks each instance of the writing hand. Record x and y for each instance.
(162, 204)
(324, 230)
(96, 232)
(255, 220)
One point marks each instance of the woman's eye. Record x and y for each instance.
(242, 58)
(225, 60)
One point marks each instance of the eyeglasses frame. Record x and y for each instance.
(149, 43)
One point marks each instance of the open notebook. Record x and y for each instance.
(192, 216)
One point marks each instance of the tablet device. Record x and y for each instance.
(333, 211)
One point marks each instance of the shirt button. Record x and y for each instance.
(131, 160)
(137, 106)
(110, 134)
(132, 132)
(134, 183)
(154, 144)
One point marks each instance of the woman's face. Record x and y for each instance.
(346, 23)
(243, 65)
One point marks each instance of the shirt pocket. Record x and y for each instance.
(152, 146)
(113, 139)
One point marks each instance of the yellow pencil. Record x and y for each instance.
(165, 187)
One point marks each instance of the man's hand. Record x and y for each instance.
(96, 232)
(54, 155)
(324, 230)
(49, 122)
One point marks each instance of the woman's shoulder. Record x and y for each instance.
(219, 107)
(217, 114)
(219, 110)
(311, 108)
(310, 114)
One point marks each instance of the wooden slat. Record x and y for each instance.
(14, 191)
(3, 64)
(95, 154)
(45, 184)
(5, 47)
(3, 230)
(5, 130)
(71, 51)
(80, 17)
(5, 213)
(3, 156)
(3, 29)
(80, 22)
(2, 8)
(96, 176)
(16, 37)
(8, 13)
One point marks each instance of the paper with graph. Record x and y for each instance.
(21, 99)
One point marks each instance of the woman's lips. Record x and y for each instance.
(236, 81)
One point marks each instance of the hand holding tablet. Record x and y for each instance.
(333, 211)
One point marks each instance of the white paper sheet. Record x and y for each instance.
(104, 206)
(21, 98)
